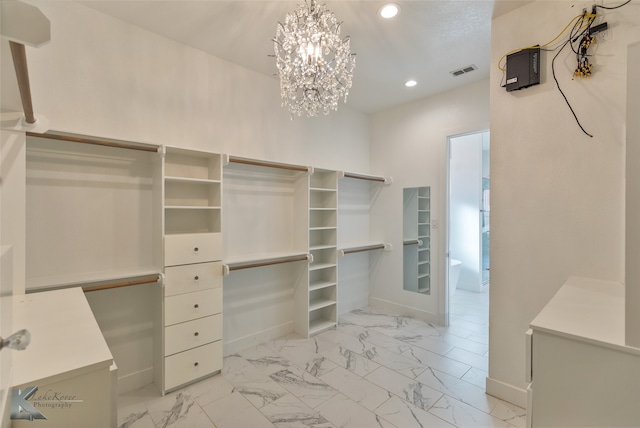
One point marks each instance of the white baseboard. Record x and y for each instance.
(397, 308)
(507, 392)
(235, 345)
(135, 380)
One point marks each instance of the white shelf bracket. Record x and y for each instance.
(225, 159)
(310, 170)
(388, 180)
(340, 253)
(225, 270)
(388, 247)
(340, 175)
(310, 257)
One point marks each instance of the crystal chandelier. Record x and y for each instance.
(315, 65)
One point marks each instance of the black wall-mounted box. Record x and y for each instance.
(523, 69)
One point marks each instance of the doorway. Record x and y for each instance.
(468, 234)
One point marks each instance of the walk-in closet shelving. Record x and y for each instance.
(424, 240)
(266, 250)
(93, 220)
(191, 344)
(262, 225)
(357, 245)
(90, 211)
(323, 240)
(417, 239)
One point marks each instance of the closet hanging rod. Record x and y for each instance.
(89, 289)
(365, 177)
(19, 56)
(412, 242)
(303, 257)
(369, 248)
(245, 161)
(93, 141)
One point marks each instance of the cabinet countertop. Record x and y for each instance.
(65, 336)
(587, 310)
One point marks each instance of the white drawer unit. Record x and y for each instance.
(193, 364)
(582, 372)
(191, 345)
(191, 334)
(191, 306)
(193, 277)
(187, 248)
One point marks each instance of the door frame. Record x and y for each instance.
(447, 259)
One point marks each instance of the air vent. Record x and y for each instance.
(464, 70)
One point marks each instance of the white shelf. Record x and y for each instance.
(318, 325)
(320, 303)
(319, 285)
(191, 207)
(77, 279)
(318, 266)
(321, 295)
(191, 180)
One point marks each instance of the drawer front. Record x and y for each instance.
(189, 278)
(192, 364)
(182, 249)
(191, 334)
(187, 307)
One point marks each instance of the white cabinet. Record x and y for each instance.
(417, 239)
(581, 371)
(192, 312)
(424, 240)
(68, 361)
(323, 207)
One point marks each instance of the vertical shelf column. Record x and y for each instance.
(424, 239)
(323, 292)
(192, 339)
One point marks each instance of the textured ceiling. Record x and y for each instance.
(425, 42)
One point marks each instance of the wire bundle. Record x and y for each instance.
(584, 66)
(580, 30)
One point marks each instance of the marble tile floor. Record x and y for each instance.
(373, 370)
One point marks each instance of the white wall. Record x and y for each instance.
(557, 196)
(103, 77)
(409, 143)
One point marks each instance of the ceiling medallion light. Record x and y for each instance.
(314, 63)
(410, 83)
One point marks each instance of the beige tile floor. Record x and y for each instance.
(374, 370)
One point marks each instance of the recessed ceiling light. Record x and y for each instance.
(389, 10)
(410, 83)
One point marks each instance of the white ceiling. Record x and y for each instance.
(425, 42)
